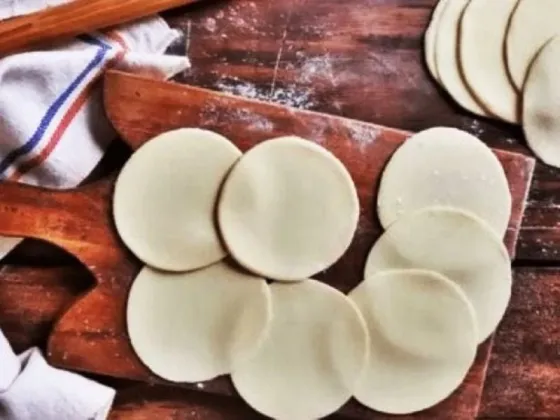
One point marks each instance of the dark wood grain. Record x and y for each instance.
(524, 373)
(31, 299)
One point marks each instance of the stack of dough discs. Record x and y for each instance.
(541, 108)
(308, 366)
(430, 39)
(483, 31)
(165, 197)
(456, 244)
(446, 57)
(423, 339)
(482, 52)
(445, 166)
(288, 209)
(533, 23)
(189, 327)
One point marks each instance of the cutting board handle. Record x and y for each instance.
(79, 220)
(21, 216)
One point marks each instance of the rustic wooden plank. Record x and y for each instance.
(524, 372)
(91, 335)
(96, 322)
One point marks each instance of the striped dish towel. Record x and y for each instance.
(53, 130)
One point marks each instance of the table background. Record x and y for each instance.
(360, 59)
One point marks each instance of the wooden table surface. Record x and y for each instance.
(356, 58)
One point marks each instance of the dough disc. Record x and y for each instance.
(189, 327)
(533, 23)
(308, 365)
(541, 109)
(430, 39)
(446, 57)
(456, 244)
(422, 331)
(288, 210)
(165, 198)
(483, 31)
(445, 166)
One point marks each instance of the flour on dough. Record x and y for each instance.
(447, 167)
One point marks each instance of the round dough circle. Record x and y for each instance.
(541, 109)
(422, 329)
(445, 166)
(483, 31)
(308, 365)
(189, 327)
(165, 197)
(430, 39)
(456, 244)
(532, 24)
(446, 57)
(288, 209)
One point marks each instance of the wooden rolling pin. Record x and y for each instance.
(74, 18)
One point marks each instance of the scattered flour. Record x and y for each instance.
(317, 68)
(290, 95)
(474, 127)
(255, 122)
(317, 129)
(210, 25)
(363, 135)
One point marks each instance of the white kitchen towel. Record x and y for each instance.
(9, 366)
(38, 391)
(53, 130)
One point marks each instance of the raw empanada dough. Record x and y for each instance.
(430, 39)
(483, 32)
(165, 198)
(456, 244)
(445, 166)
(447, 57)
(541, 107)
(309, 363)
(423, 339)
(533, 23)
(190, 327)
(288, 209)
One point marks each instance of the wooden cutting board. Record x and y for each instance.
(91, 336)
